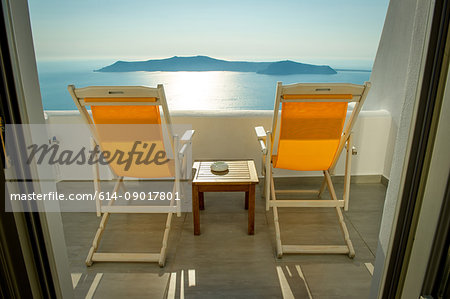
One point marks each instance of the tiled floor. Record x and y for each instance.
(225, 262)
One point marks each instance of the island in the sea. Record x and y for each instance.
(205, 63)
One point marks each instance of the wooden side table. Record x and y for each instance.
(241, 177)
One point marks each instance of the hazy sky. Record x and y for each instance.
(306, 31)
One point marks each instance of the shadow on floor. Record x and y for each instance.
(225, 262)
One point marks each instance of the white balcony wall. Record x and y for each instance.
(397, 66)
(230, 135)
(396, 79)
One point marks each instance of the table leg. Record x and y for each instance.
(251, 210)
(246, 200)
(196, 209)
(201, 200)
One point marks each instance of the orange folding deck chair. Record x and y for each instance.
(122, 115)
(310, 136)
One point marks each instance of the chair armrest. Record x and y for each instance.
(187, 136)
(354, 149)
(186, 141)
(260, 132)
(261, 135)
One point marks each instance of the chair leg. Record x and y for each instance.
(96, 176)
(181, 196)
(267, 188)
(277, 232)
(351, 251)
(176, 146)
(97, 238)
(275, 219)
(263, 173)
(179, 201)
(162, 255)
(272, 189)
(179, 208)
(268, 170)
(348, 167)
(322, 187)
(263, 165)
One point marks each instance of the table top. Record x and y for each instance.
(239, 172)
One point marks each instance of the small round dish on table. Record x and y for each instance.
(219, 168)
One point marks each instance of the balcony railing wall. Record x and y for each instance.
(230, 135)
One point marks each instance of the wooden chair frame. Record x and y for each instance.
(359, 94)
(178, 146)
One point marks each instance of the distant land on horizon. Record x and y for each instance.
(205, 63)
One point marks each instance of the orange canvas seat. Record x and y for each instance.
(315, 129)
(310, 136)
(143, 124)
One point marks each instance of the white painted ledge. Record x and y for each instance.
(229, 134)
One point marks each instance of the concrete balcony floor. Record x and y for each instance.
(225, 262)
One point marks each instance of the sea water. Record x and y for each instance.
(184, 90)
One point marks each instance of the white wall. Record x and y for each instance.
(230, 135)
(395, 79)
(397, 63)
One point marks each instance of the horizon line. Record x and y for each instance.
(338, 62)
